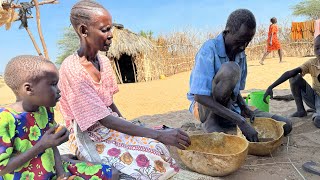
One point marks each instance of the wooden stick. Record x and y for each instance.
(33, 41)
(297, 169)
(265, 164)
(118, 68)
(134, 70)
(36, 4)
(288, 144)
(40, 3)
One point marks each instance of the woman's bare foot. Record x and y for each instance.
(299, 114)
(261, 62)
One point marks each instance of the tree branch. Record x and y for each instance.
(40, 3)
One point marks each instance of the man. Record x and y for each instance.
(220, 73)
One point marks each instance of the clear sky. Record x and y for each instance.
(159, 16)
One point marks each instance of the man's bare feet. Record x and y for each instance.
(316, 121)
(299, 114)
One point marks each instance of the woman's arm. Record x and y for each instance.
(173, 137)
(115, 109)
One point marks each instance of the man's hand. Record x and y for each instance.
(174, 137)
(249, 132)
(248, 113)
(268, 92)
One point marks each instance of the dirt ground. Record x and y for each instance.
(164, 102)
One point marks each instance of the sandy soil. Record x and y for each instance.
(164, 102)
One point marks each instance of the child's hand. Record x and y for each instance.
(52, 139)
(268, 92)
(174, 137)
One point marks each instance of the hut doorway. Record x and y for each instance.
(127, 69)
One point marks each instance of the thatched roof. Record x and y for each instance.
(127, 42)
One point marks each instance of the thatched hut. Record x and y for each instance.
(130, 56)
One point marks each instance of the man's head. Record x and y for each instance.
(239, 31)
(33, 79)
(93, 23)
(317, 47)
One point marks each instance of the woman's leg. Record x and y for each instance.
(280, 55)
(263, 57)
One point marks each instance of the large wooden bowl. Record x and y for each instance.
(270, 134)
(215, 154)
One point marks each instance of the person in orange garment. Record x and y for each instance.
(273, 43)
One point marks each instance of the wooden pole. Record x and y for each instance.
(33, 41)
(134, 70)
(118, 67)
(36, 4)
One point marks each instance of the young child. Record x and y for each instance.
(28, 141)
(300, 89)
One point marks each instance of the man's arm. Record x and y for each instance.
(227, 114)
(217, 108)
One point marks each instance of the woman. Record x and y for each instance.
(273, 43)
(98, 131)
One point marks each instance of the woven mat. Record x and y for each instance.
(184, 174)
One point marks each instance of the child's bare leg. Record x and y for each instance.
(223, 85)
(297, 84)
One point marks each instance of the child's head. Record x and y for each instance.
(33, 79)
(93, 23)
(273, 20)
(317, 47)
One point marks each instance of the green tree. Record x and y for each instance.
(308, 8)
(68, 44)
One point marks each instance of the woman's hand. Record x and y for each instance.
(174, 137)
(51, 139)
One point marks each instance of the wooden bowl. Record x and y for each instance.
(270, 134)
(215, 154)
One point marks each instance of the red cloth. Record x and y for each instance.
(273, 31)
